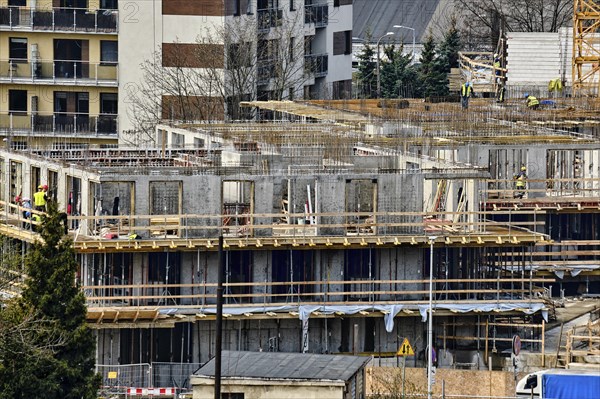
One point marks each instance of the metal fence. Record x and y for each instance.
(117, 378)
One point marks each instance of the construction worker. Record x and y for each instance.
(466, 91)
(39, 199)
(38, 220)
(532, 101)
(26, 203)
(521, 183)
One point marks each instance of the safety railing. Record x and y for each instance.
(16, 122)
(317, 14)
(59, 71)
(59, 19)
(559, 189)
(279, 293)
(316, 65)
(269, 18)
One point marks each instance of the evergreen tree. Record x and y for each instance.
(432, 74)
(397, 76)
(367, 71)
(50, 293)
(450, 46)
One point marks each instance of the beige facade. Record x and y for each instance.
(58, 73)
(270, 389)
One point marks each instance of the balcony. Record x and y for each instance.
(266, 71)
(316, 65)
(57, 123)
(59, 20)
(54, 72)
(269, 18)
(317, 14)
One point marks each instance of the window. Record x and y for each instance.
(292, 5)
(236, 8)
(342, 42)
(17, 102)
(291, 50)
(17, 3)
(109, 52)
(17, 49)
(108, 103)
(108, 4)
(337, 3)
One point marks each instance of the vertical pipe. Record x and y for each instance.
(219, 332)
(430, 319)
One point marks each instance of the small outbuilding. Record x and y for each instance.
(276, 375)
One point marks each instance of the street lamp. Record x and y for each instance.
(413, 34)
(430, 320)
(378, 64)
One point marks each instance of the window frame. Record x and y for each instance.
(11, 100)
(103, 61)
(11, 49)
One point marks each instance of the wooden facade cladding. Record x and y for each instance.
(193, 55)
(211, 8)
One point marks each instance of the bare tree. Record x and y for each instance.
(246, 58)
(482, 18)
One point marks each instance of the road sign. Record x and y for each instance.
(516, 345)
(405, 349)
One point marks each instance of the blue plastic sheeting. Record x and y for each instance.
(389, 311)
(571, 386)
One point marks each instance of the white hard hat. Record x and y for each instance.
(25, 199)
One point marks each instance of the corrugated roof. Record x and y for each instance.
(379, 17)
(282, 365)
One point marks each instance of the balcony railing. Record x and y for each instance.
(316, 65)
(59, 19)
(317, 14)
(59, 71)
(269, 18)
(266, 71)
(58, 123)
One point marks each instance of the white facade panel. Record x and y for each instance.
(140, 34)
(188, 28)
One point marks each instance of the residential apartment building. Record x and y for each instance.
(58, 72)
(283, 49)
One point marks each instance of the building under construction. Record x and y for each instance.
(331, 215)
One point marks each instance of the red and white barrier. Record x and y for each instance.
(151, 391)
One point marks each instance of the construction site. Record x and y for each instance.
(331, 215)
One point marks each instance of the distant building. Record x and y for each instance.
(275, 375)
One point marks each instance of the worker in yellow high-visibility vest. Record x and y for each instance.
(521, 183)
(466, 91)
(532, 101)
(39, 199)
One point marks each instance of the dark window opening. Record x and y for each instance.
(109, 52)
(108, 4)
(68, 57)
(17, 102)
(17, 3)
(109, 103)
(236, 8)
(74, 3)
(18, 49)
